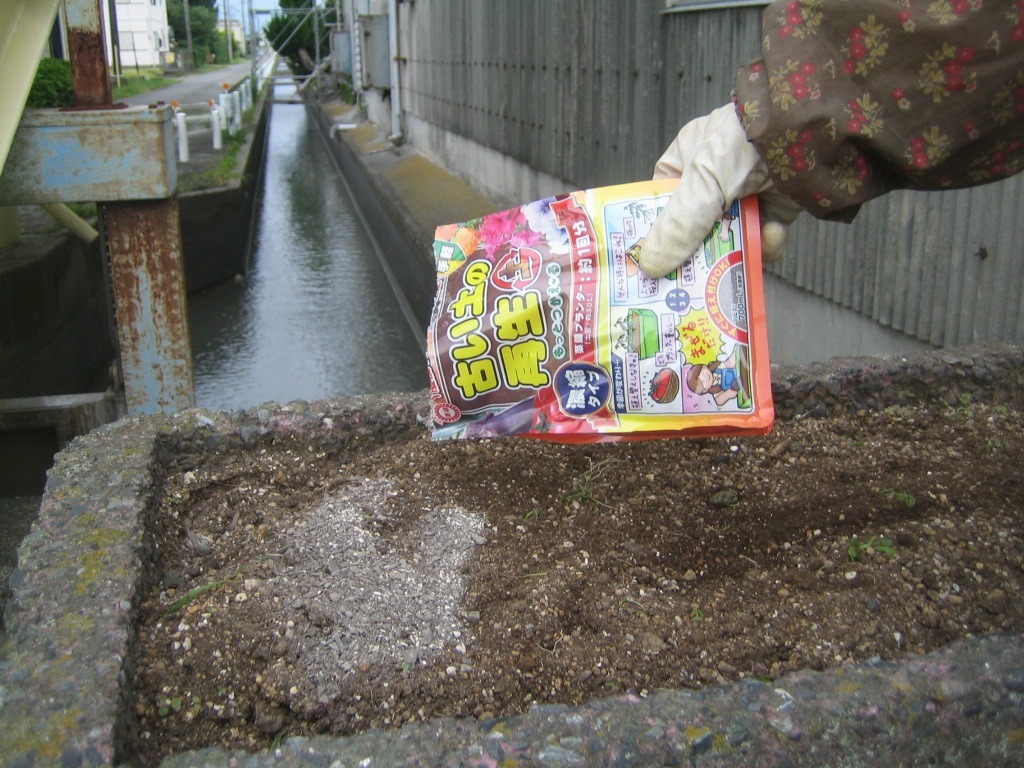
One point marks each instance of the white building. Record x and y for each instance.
(142, 32)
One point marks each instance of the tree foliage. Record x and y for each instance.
(292, 29)
(53, 86)
(203, 19)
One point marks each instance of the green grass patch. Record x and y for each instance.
(219, 175)
(142, 82)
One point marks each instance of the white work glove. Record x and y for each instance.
(716, 164)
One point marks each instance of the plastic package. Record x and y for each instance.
(544, 326)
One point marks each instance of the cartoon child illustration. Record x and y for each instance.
(721, 379)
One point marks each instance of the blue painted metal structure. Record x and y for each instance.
(122, 158)
(104, 154)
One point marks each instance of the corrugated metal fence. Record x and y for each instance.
(591, 91)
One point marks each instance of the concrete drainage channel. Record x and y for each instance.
(66, 663)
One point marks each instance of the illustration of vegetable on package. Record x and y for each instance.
(544, 326)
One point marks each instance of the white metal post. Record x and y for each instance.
(225, 107)
(236, 111)
(181, 123)
(217, 126)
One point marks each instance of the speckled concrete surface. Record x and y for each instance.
(961, 707)
(64, 659)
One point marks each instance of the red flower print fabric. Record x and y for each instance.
(855, 98)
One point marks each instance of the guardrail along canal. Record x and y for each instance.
(315, 316)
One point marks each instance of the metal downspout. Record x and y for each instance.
(396, 99)
(74, 223)
(23, 33)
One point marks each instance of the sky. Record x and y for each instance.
(239, 9)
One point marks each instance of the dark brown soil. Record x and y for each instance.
(299, 590)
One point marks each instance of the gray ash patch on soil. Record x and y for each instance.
(375, 601)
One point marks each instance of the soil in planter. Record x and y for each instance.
(302, 590)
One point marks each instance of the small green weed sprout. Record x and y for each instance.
(585, 488)
(629, 601)
(196, 592)
(875, 544)
(277, 741)
(904, 498)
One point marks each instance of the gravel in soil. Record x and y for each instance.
(298, 589)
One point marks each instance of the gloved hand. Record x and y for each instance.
(716, 164)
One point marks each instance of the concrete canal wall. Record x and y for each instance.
(402, 197)
(216, 224)
(55, 333)
(56, 342)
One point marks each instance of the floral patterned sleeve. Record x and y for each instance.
(855, 98)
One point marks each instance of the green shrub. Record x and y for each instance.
(53, 86)
(199, 54)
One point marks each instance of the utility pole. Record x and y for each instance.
(188, 36)
(227, 32)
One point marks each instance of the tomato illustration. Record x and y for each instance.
(664, 386)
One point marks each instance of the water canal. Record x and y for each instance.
(315, 316)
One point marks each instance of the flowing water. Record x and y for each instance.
(315, 316)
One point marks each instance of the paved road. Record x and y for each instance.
(196, 87)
